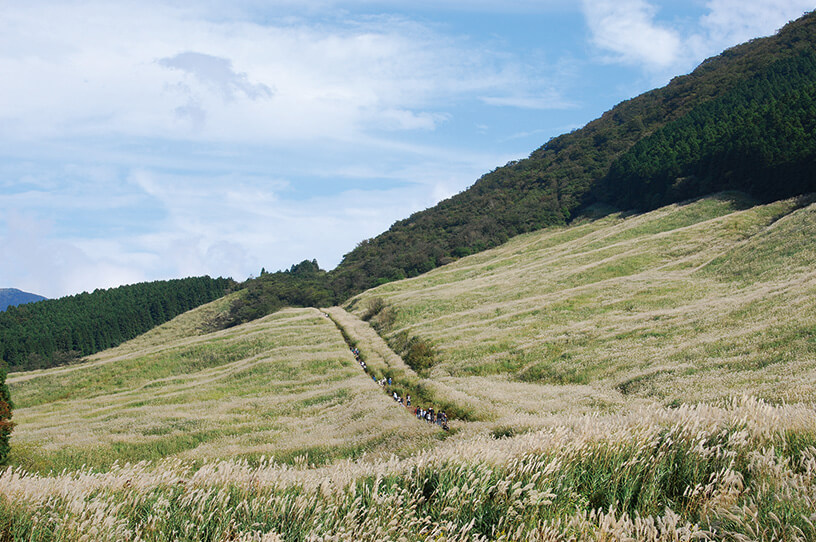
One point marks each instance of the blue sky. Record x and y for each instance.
(151, 140)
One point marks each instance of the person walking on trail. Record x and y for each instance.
(408, 401)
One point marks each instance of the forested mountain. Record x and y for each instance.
(10, 297)
(754, 112)
(54, 332)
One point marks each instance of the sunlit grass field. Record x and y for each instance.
(744, 471)
(689, 303)
(645, 377)
(283, 386)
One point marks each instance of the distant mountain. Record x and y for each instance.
(10, 297)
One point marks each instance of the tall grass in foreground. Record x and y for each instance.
(745, 471)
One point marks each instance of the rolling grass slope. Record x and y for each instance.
(572, 348)
(692, 302)
(282, 386)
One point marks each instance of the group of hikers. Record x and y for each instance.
(429, 415)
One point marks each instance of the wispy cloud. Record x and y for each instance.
(628, 30)
(552, 101)
(729, 22)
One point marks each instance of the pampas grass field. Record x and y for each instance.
(285, 385)
(742, 471)
(646, 377)
(694, 302)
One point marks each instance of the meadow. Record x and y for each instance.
(743, 471)
(283, 386)
(645, 377)
(692, 302)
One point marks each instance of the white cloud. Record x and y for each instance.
(731, 22)
(551, 101)
(402, 119)
(735, 21)
(147, 69)
(36, 260)
(627, 29)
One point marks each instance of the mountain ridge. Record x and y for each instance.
(11, 297)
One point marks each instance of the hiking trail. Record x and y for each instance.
(382, 362)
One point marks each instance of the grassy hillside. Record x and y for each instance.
(283, 386)
(574, 350)
(692, 302)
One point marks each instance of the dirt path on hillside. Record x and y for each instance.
(381, 359)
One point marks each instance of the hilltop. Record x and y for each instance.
(743, 120)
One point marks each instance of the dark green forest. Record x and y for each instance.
(302, 285)
(758, 138)
(57, 331)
